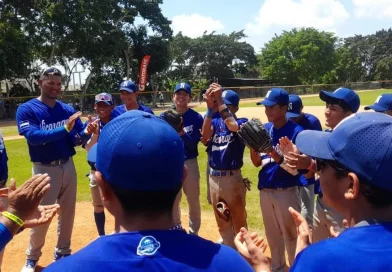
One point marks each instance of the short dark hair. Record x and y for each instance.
(147, 203)
(376, 196)
(339, 102)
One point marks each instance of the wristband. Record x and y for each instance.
(311, 164)
(225, 112)
(14, 218)
(66, 128)
(209, 113)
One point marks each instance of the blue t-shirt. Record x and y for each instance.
(366, 248)
(271, 175)
(120, 109)
(193, 123)
(227, 150)
(43, 127)
(166, 250)
(310, 122)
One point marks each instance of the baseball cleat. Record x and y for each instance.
(29, 266)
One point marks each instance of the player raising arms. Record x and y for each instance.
(103, 106)
(227, 189)
(190, 135)
(50, 128)
(129, 93)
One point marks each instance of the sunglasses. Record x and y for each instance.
(103, 97)
(339, 168)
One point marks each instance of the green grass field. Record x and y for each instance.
(20, 166)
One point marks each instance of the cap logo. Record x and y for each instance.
(224, 94)
(182, 86)
(125, 83)
(290, 106)
(378, 99)
(268, 93)
(148, 246)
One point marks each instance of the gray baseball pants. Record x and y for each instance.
(63, 186)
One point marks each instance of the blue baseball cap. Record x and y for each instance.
(230, 97)
(361, 142)
(383, 103)
(183, 87)
(295, 106)
(52, 71)
(104, 97)
(275, 96)
(129, 86)
(139, 151)
(344, 94)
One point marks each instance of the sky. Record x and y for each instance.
(262, 19)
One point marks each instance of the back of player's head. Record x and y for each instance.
(362, 144)
(295, 106)
(142, 158)
(231, 98)
(383, 103)
(346, 98)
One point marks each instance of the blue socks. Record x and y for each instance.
(100, 222)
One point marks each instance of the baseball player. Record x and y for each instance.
(227, 188)
(382, 104)
(129, 93)
(278, 184)
(340, 104)
(306, 121)
(190, 135)
(142, 201)
(50, 128)
(3, 174)
(103, 106)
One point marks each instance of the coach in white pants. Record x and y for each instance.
(52, 129)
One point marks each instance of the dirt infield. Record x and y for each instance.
(84, 232)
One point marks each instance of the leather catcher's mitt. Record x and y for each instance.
(223, 210)
(254, 135)
(174, 118)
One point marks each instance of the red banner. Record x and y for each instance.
(143, 72)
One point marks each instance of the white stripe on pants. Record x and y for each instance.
(279, 225)
(63, 186)
(191, 187)
(232, 190)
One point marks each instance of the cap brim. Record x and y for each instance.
(92, 154)
(267, 103)
(227, 102)
(127, 89)
(376, 107)
(314, 144)
(106, 102)
(292, 115)
(325, 96)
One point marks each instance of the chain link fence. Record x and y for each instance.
(9, 105)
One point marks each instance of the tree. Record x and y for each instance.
(300, 56)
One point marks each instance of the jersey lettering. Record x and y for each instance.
(52, 126)
(188, 129)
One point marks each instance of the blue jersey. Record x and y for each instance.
(166, 250)
(227, 150)
(121, 109)
(310, 122)
(43, 127)
(362, 248)
(193, 123)
(3, 160)
(271, 174)
(214, 116)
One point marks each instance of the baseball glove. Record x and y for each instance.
(254, 135)
(223, 210)
(174, 118)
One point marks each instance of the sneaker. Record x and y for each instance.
(29, 266)
(58, 256)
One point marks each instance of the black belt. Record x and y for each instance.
(57, 162)
(221, 173)
(93, 165)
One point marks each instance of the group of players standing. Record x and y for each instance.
(45, 121)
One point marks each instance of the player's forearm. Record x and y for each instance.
(93, 140)
(207, 127)
(227, 116)
(39, 137)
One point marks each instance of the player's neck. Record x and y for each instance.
(367, 212)
(47, 101)
(134, 223)
(133, 106)
(280, 123)
(104, 120)
(181, 109)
